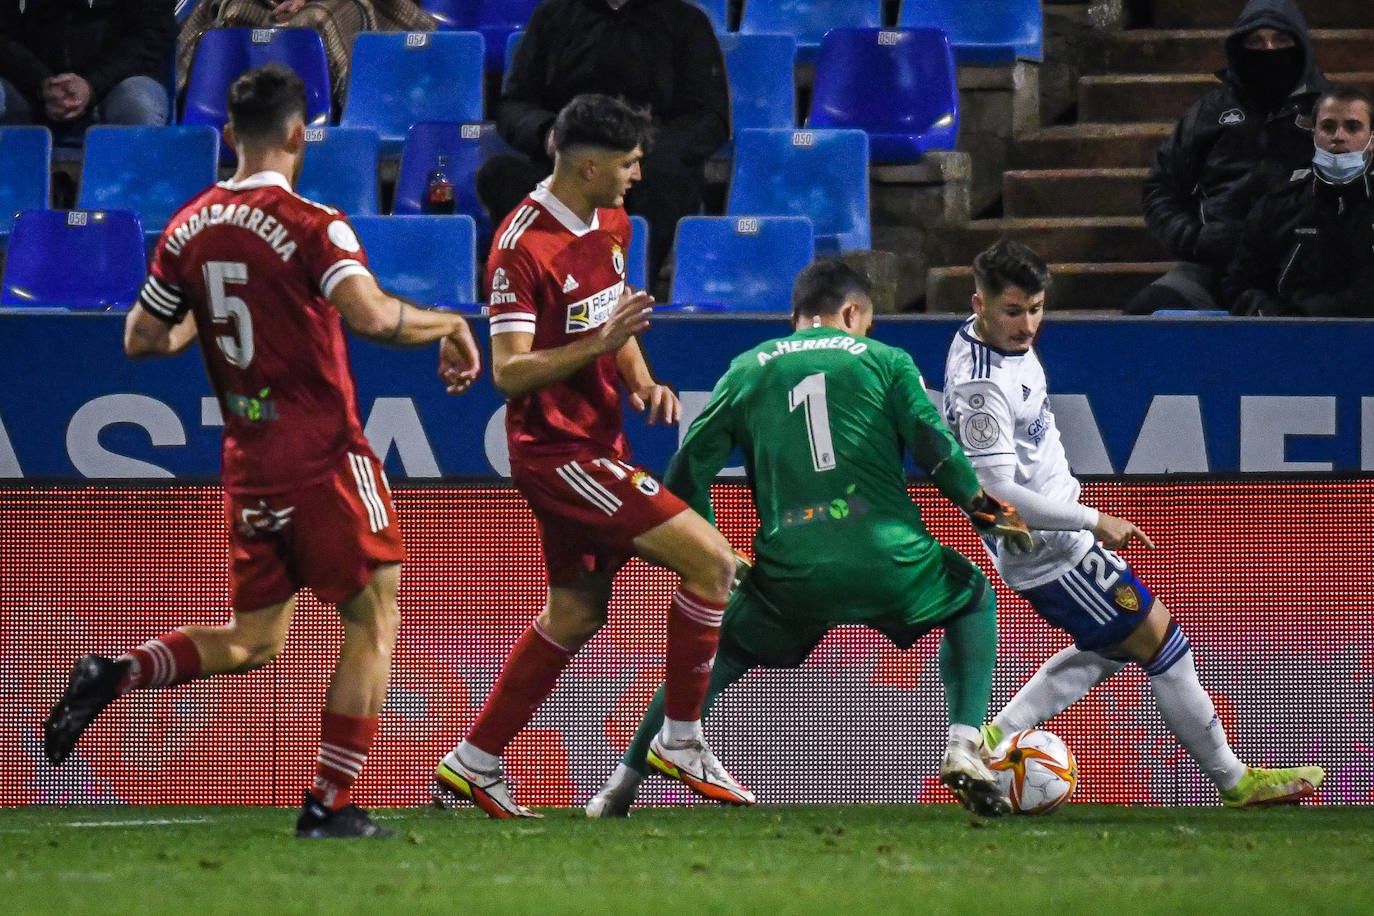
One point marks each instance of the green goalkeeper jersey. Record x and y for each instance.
(823, 420)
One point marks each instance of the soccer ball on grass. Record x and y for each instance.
(1036, 769)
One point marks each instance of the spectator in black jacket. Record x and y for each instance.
(1308, 247)
(1240, 139)
(656, 54)
(71, 63)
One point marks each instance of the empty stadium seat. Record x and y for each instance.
(150, 170)
(745, 263)
(717, 11)
(821, 174)
(637, 259)
(79, 259)
(762, 89)
(808, 20)
(986, 33)
(496, 20)
(401, 78)
(428, 259)
(223, 54)
(898, 85)
(25, 179)
(340, 168)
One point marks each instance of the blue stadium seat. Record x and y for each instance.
(401, 78)
(637, 260)
(25, 179)
(222, 54)
(986, 33)
(745, 263)
(808, 20)
(340, 168)
(821, 174)
(496, 20)
(428, 259)
(898, 85)
(718, 12)
(79, 259)
(466, 146)
(150, 170)
(762, 90)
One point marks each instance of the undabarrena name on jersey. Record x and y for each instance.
(783, 347)
(263, 225)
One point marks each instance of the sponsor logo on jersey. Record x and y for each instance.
(569, 284)
(1231, 116)
(499, 280)
(1126, 598)
(1025, 392)
(838, 509)
(980, 430)
(1036, 430)
(264, 519)
(617, 262)
(592, 312)
(258, 409)
(976, 401)
(645, 483)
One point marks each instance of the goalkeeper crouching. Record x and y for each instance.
(823, 418)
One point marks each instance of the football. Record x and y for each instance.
(1036, 769)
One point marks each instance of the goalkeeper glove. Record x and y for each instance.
(997, 519)
(742, 567)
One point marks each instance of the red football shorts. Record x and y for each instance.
(590, 511)
(330, 536)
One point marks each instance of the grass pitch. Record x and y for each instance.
(705, 859)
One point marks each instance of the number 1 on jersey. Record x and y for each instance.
(809, 394)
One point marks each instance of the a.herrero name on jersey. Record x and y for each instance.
(592, 312)
(783, 347)
(263, 225)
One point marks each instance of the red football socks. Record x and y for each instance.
(344, 743)
(693, 634)
(529, 676)
(166, 661)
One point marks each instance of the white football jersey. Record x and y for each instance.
(998, 406)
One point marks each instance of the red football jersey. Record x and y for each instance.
(255, 261)
(553, 276)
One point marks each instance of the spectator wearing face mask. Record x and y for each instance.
(1308, 247)
(1240, 139)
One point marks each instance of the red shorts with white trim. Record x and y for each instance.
(590, 511)
(330, 536)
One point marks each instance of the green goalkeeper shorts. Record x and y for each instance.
(763, 628)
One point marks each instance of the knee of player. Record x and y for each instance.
(261, 651)
(720, 571)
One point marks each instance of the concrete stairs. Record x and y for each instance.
(1073, 191)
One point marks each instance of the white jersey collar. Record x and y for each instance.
(264, 179)
(559, 211)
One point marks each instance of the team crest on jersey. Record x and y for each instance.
(1126, 598)
(980, 430)
(499, 280)
(618, 260)
(645, 483)
(1231, 116)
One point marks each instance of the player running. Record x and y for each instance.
(564, 346)
(997, 403)
(262, 276)
(823, 418)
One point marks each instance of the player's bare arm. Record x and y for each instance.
(373, 314)
(1118, 533)
(147, 335)
(518, 369)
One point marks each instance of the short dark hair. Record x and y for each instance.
(600, 121)
(823, 286)
(1344, 92)
(262, 102)
(1008, 262)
